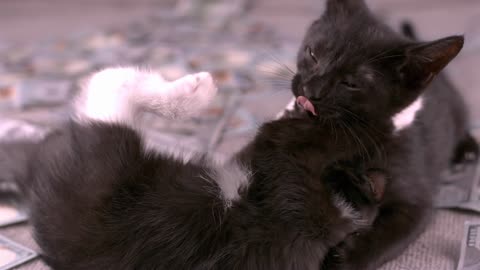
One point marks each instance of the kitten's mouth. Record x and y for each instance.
(306, 104)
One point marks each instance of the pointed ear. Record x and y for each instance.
(345, 6)
(426, 60)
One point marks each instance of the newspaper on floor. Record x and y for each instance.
(470, 254)
(13, 254)
(460, 189)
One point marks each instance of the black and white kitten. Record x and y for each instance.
(101, 198)
(352, 68)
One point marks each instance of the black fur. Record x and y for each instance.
(99, 201)
(355, 69)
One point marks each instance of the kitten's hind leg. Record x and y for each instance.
(121, 95)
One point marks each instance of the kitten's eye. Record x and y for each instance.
(350, 85)
(312, 55)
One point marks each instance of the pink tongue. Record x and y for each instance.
(306, 104)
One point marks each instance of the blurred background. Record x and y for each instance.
(33, 20)
(48, 47)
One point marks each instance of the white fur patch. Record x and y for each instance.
(231, 177)
(346, 210)
(290, 107)
(121, 95)
(177, 152)
(406, 117)
(109, 96)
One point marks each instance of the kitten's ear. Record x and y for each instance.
(426, 60)
(345, 6)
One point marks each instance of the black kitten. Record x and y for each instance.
(354, 69)
(101, 198)
(467, 150)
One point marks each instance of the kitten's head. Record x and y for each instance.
(351, 63)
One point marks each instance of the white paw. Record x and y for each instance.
(193, 92)
(189, 84)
